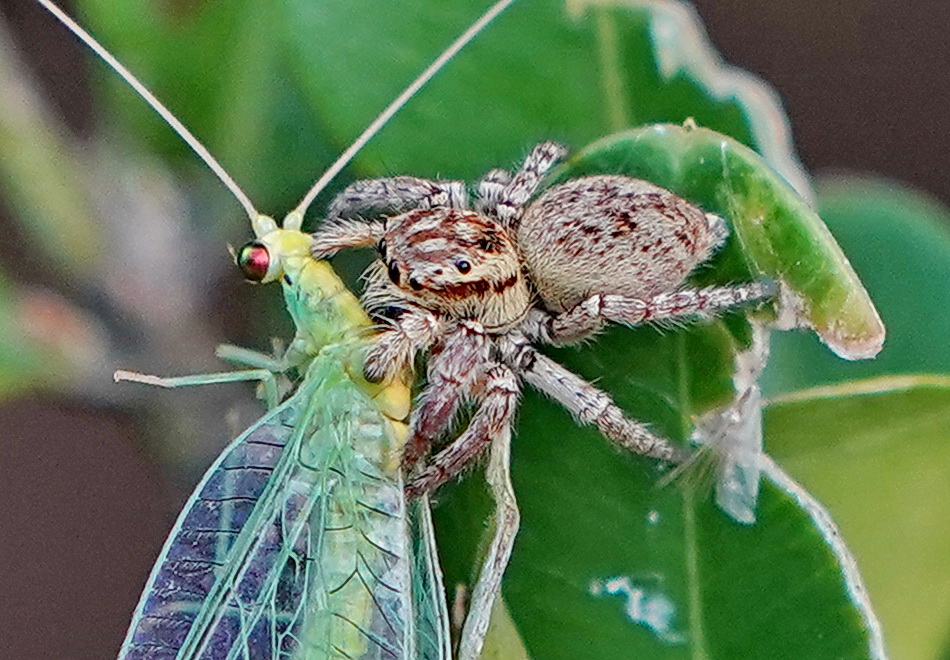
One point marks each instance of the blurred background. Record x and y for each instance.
(88, 493)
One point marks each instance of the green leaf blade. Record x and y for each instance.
(572, 71)
(899, 242)
(876, 452)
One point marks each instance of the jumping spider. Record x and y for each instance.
(476, 288)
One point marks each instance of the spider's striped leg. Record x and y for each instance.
(589, 316)
(490, 190)
(526, 181)
(413, 331)
(587, 403)
(506, 520)
(395, 195)
(453, 369)
(331, 237)
(492, 418)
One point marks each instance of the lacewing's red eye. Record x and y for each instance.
(254, 261)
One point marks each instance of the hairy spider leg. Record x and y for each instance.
(453, 371)
(395, 195)
(590, 315)
(489, 190)
(527, 180)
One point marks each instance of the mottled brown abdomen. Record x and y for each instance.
(611, 234)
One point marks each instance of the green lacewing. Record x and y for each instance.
(298, 542)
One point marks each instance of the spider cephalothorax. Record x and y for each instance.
(475, 289)
(456, 262)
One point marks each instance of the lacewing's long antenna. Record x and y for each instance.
(295, 218)
(157, 105)
(398, 103)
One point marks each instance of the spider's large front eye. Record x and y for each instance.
(463, 266)
(254, 261)
(394, 272)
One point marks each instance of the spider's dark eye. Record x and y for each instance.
(463, 266)
(415, 284)
(394, 272)
(254, 261)
(381, 248)
(484, 244)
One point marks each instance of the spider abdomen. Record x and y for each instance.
(609, 234)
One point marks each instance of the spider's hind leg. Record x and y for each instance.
(588, 316)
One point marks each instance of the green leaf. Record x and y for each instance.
(608, 564)
(779, 235)
(269, 85)
(898, 240)
(572, 71)
(876, 452)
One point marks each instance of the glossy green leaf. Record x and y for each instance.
(780, 236)
(876, 452)
(610, 565)
(898, 240)
(572, 71)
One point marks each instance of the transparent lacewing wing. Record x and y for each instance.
(297, 544)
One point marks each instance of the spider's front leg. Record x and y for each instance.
(493, 418)
(338, 235)
(396, 195)
(589, 316)
(453, 369)
(413, 331)
(490, 189)
(508, 201)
